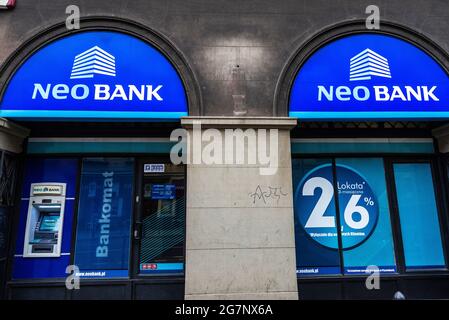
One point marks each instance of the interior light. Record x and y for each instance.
(48, 206)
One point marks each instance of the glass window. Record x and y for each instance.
(104, 217)
(315, 228)
(163, 213)
(418, 216)
(366, 236)
(364, 214)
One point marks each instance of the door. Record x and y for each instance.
(160, 218)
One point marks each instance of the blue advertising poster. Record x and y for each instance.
(95, 74)
(317, 215)
(104, 217)
(364, 218)
(314, 255)
(358, 207)
(370, 76)
(377, 248)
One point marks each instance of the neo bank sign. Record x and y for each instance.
(370, 76)
(95, 74)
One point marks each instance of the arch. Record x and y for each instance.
(113, 24)
(334, 32)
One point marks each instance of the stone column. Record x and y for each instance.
(442, 136)
(239, 223)
(12, 136)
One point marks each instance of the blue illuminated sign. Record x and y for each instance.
(370, 76)
(95, 74)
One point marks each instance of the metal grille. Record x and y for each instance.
(163, 230)
(8, 177)
(369, 125)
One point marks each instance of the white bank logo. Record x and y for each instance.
(91, 62)
(86, 65)
(367, 64)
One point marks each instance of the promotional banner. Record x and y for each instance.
(359, 212)
(358, 207)
(316, 255)
(95, 74)
(104, 217)
(370, 76)
(377, 249)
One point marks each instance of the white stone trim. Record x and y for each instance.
(241, 122)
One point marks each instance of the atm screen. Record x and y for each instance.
(49, 223)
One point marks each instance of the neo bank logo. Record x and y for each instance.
(366, 65)
(95, 61)
(91, 62)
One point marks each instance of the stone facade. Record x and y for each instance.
(239, 238)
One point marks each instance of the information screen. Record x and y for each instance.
(163, 191)
(49, 223)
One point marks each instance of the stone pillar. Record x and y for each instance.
(442, 136)
(239, 223)
(12, 136)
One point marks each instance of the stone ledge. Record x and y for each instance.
(12, 136)
(440, 132)
(13, 129)
(282, 295)
(442, 136)
(285, 123)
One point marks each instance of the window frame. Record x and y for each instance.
(440, 169)
(439, 200)
(161, 157)
(76, 212)
(134, 272)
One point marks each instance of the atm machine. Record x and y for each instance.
(43, 233)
